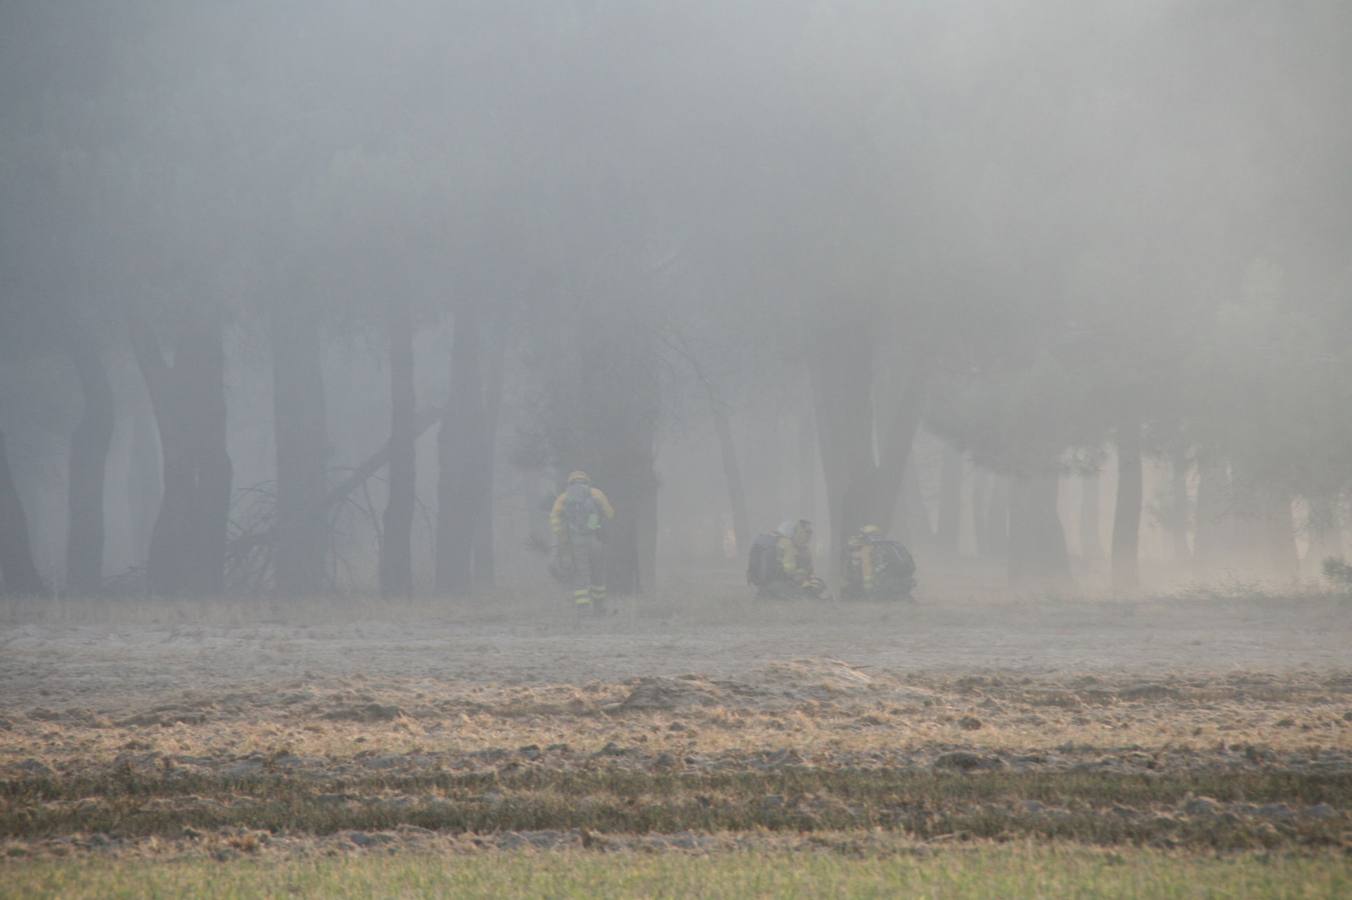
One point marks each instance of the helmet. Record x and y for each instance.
(870, 530)
(576, 477)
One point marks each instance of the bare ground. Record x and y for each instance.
(1193, 720)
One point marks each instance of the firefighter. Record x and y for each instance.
(781, 563)
(576, 520)
(877, 568)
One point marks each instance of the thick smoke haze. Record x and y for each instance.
(313, 299)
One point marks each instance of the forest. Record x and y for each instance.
(301, 302)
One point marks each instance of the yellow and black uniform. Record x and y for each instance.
(793, 574)
(878, 568)
(576, 520)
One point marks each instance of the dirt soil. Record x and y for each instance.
(183, 729)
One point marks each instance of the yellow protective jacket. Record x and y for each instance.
(795, 561)
(556, 523)
(861, 565)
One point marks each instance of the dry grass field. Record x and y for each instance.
(948, 748)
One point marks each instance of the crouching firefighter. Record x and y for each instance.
(576, 520)
(780, 566)
(877, 568)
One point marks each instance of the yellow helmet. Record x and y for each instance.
(575, 477)
(870, 529)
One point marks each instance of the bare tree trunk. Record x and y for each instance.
(88, 468)
(1127, 512)
(950, 500)
(1091, 541)
(20, 574)
(301, 430)
(732, 473)
(460, 479)
(1037, 541)
(861, 489)
(187, 546)
(396, 546)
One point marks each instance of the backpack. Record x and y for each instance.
(893, 563)
(763, 565)
(581, 512)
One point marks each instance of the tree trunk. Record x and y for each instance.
(461, 476)
(1127, 511)
(861, 489)
(18, 574)
(1091, 541)
(88, 469)
(396, 546)
(1037, 541)
(301, 433)
(187, 545)
(732, 474)
(950, 501)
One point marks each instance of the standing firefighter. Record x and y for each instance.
(781, 564)
(576, 519)
(878, 568)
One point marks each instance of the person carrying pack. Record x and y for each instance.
(878, 568)
(780, 564)
(577, 518)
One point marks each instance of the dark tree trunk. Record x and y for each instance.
(950, 501)
(1037, 541)
(461, 476)
(187, 545)
(1091, 541)
(860, 488)
(301, 430)
(732, 475)
(1127, 511)
(396, 547)
(88, 469)
(18, 574)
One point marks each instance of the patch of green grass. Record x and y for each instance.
(984, 872)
